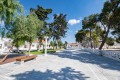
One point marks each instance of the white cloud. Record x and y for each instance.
(74, 21)
(76, 31)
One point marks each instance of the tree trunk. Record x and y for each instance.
(39, 46)
(53, 47)
(91, 38)
(56, 44)
(17, 49)
(105, 38)
(40, 43)
(17, 46)
(11, 48)
(30, 47)
(43, 48)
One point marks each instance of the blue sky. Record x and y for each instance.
(76, 10)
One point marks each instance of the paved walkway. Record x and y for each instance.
(66, 65)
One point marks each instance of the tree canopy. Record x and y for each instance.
(41, 12)
(59, 26)
(18, 31)
(100, 25)
(110, 41)
(23, 28)
(80, 35)
(9, 9)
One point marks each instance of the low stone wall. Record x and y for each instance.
(110, 54)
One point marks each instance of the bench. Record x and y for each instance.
(26, 58)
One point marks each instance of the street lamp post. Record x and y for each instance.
(46, 37)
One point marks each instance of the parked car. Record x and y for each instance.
(19, 51)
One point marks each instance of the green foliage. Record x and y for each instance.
(59, 26)
(41, 12)
(116, 33)
(110, 41)
(18, 31)
(18, 42)
(42, 52)
(99, 25)
(24, 28)
(118, 40)
(80, 35)
(95, 39)
(42, 15)
(109, 17)
(36, 52)
(40, 34)
(32, 26)
(21, 28)
(90, 21)
(9, 9)
(65, 44)
(2, 31)
(52, 43)
(57, 29)
(60, 44)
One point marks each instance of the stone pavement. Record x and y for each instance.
(66, 65)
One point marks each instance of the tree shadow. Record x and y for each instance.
(87, 57)
(11, 55)
(64, 74)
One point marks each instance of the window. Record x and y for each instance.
(33, 45)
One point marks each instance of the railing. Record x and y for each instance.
(107, 53)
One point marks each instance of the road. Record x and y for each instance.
(65, 65)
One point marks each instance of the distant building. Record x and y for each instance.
(6, 45)
(34, 46)
(73, 45)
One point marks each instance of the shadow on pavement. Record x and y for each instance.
(91, 58)
(64, 74)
